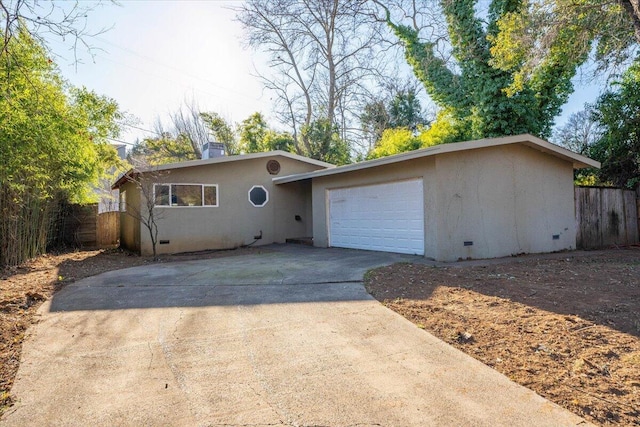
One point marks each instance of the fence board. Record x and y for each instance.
(612, 214)
(588, 234)
(108, 229)
(81, 225)
(631, 216)
(605, 217)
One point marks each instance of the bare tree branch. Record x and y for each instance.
(42, 19)
(317, 49)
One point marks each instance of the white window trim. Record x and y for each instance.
(202, 186)
(217, 196)
(122, 200)
(266, 200)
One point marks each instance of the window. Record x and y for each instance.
(123, 201)
(161, 194)
(210, 195)
(258, 196)
(186, 194)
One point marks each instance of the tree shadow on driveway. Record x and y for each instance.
(286, 274)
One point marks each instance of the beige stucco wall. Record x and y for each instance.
(419, 168)
(129, 224)
(235, 221)
(506, 200)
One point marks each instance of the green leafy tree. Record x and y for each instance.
(471, 88)
(253, 131)
(545, 32)
(279, 141)
(398, 140)
(617, 113)
(394, 141)
(405, 111)
(53, 146)
(325, 143)
(162, 149)
(222, 131)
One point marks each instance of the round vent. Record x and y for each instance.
(273, 167)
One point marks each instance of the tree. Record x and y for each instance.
(374, 121)
(322, 56)
(398, 140)
(394, 141)
(144, 177)
(579, 133)
(401, 110)
(278, 141)
(325, 143)
(533, 37)
(222, 131)
(66, 20)
(405, 111)
(460, 76)
(257, 137)
(162, 149)
(253, 131)
(617, 113)
(188, 124)
(53, 146)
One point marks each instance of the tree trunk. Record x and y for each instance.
(632, 7)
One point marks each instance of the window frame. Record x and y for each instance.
(266, 196)
(202, 187)
(122, 200)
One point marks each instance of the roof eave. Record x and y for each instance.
(241, 157)
(123, 179)
(578, 161)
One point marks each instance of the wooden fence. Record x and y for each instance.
(108, 229)
(606, 217)
(83, 227)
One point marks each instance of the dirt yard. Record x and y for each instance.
(24, 288)
(567, 328)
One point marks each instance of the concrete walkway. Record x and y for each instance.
(286, 338)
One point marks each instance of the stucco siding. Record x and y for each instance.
(129, 224)
(418, 168)
(503, 201)
(294, 200)
(235, 221)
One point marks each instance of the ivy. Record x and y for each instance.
(480, 97)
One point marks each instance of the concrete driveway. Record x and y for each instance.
(286, 338)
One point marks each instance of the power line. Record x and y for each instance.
(121, 141)
(139, 128)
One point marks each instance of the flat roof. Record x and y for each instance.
(218, 160)
(578, 161)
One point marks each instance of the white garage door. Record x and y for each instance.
(385, 217)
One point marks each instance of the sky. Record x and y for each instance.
(158, 54)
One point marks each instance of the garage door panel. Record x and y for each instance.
(386, 217)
